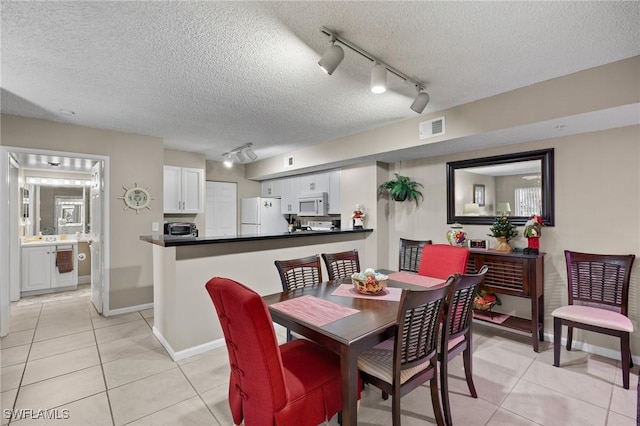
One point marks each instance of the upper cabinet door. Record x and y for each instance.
(271, 188)
(172, 189)
(334, 191)
(192, 190)
(316, 182)
(183, 190)
(290, 191)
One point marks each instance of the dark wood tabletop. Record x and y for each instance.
(349, 336)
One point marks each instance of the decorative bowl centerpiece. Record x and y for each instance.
(485, 301)
(369, 281)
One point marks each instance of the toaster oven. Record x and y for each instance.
(180, 228)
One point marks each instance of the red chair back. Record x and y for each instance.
(253, 351)
(442, 260)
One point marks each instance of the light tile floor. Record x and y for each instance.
(98, 370)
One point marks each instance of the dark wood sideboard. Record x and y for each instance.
(515, 274)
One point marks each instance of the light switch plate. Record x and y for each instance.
(155, 226)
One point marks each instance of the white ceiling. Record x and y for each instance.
(209, 76)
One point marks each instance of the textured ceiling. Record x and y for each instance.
(210, 76)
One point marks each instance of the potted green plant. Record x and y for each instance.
(503, 230)
(402, 188)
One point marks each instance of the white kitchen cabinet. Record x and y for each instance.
(39, 270)
(183, 190)
(290, 190)
(271, 188)
(334, 191)
(314, 182)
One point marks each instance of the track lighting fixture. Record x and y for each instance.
(332, 58)
(378, 79)
(237, 155)
(421, 101)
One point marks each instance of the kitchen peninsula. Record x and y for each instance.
(184, 317)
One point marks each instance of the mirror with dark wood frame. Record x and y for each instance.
(517, 185)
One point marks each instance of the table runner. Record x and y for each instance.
(415, 279)
(347, 290)
(314, 310)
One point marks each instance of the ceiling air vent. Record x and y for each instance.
(431, 128)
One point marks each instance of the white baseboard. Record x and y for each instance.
(84, 279)
(186, 353)
(128, 309)
(592, 349)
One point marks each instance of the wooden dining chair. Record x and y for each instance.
(341, 265)
(297, 383)
(457, 336)
(410, 253)
(400, 365)
(443, 260)
(299, 273)
(598, 300)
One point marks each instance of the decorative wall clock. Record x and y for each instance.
(136, 198)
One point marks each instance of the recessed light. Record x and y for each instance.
(66, 112)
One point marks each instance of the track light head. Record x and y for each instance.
(240, 157)
(378, 78)
(228, 162)
(252, 155)
(420, 102)
(331, 58)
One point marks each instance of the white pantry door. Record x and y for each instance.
(221, 209)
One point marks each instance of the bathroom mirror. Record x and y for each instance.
(54, 208)
(517, 185)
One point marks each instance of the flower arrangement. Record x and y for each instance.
(485, 300)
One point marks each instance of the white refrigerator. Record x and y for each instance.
(261, 216)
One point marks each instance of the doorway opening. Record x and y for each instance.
(32, 176)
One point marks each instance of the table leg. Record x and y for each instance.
(349, 368)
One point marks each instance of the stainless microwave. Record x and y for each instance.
(313, 204)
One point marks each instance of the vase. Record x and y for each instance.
(457, 236)
(503, 244)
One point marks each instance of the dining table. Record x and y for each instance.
(336, 316)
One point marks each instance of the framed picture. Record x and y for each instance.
(478, 194)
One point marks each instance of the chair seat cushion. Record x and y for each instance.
(378, 362)
(594, 316)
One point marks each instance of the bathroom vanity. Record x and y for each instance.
(49, 266)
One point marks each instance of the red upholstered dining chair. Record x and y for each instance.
(297, 383)
(598, 296)
(457, 336)
(443, 260)
(299, 273)
(400, 365)
(341, 265)
(410, 253)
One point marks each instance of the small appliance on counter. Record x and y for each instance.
(320, 225)
(181, 229)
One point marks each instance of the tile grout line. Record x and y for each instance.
(24, 370)
(104, 377)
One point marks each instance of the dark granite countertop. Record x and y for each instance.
(176, 241)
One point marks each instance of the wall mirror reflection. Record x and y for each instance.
(516, 185)
(55, 206)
